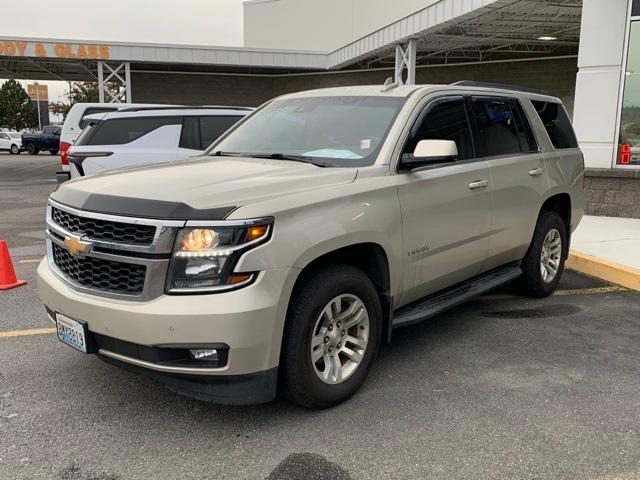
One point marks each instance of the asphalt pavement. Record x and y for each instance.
(503, 387)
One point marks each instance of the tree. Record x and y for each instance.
(16, 109)
(82, 92)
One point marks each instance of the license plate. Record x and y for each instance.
(72, 332)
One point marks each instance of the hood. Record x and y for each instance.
(208, 188)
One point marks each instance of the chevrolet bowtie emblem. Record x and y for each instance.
(76, 247)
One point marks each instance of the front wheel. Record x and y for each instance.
(32, 149)
(544, 263)
(331, 337)
(14, 150)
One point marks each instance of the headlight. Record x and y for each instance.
(204, 257)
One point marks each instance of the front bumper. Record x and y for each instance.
(249, 321)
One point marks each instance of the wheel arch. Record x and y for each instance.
(560, 203)
(369, 257)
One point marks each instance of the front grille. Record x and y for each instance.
(104, 230)
(99, 274)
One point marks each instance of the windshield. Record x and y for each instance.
(15, 135)
(331, 131)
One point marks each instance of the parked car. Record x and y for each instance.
(11, 142)
(47, 139)
(312, 230)
(138, 136)
(75, 122)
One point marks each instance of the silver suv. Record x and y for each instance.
(316, 226)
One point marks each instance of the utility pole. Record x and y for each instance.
(36, 83)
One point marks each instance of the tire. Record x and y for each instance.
(550, 226)
(300, 377)
(53, 152)
(14, 150)
(32, 149)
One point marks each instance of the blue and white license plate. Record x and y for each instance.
(71, 332)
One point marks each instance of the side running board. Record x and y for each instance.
(441, 301)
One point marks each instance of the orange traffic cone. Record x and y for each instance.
(7, 274)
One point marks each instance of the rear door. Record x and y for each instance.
(126, 142)
(198, 132)
(504, 137)
(446, 208)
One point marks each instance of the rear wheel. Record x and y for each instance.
(544, 263)
(53, 152)
(331, 338)
(32, 149)
(14, 150)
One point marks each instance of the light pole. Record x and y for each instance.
(36, 83)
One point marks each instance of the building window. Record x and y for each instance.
(629, 139)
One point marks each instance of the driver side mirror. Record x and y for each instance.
(430, 152)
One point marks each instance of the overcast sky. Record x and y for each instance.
(197, 22)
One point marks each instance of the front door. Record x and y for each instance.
(5, 141)
(446, 208)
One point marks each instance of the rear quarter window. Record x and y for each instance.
(119, 131)
(557, 124)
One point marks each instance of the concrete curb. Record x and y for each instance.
(604, 269)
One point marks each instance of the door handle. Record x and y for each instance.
(536, 172)
(478, 184)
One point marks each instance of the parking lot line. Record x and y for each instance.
(27, 332)
(560, 293)
(30, 260)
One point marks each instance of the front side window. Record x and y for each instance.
(341, 131)
(446, 120)
(118, 131)
(497, 133)
(199, 132)
(556, 123)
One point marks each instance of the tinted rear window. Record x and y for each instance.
(124, 130)
(92, 110)
(556, 122)
(497, 131)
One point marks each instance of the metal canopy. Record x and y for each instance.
(446, 32)
(502, 30)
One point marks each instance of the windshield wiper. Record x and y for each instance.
(293, 158)
(220, 153)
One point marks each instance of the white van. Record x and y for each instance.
(75, 122)
(140, 136)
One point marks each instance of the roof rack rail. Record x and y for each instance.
(502, 86)
(183, 107)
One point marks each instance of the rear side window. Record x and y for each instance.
(92, 110)
(119, 131)
(496, 127)
(200, 132)
(556, 122)
(447, 120)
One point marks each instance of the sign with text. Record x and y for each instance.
(38, 92)
(20, 48)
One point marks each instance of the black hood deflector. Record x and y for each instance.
(136, 207)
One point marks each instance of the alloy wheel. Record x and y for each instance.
(550, 255)
(339, 339)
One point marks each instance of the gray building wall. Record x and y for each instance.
(558, 76)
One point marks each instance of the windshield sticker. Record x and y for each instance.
(365, 144)
(331, 153)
